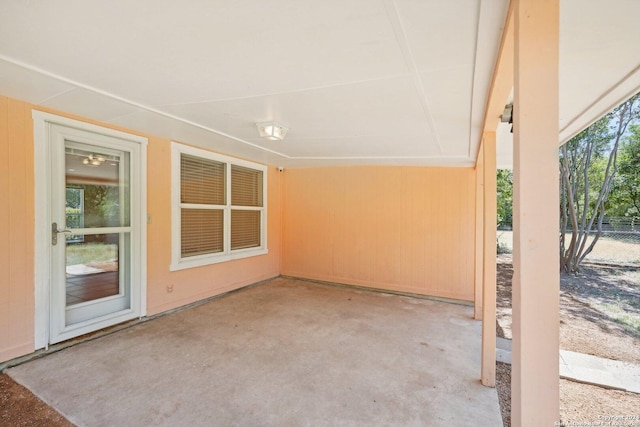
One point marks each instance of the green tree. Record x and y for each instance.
(101, 205)
(625, 195)
(505, 197)
(74, 198)
(588, 165)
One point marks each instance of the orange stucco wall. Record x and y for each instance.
(410, 229)
(194, 284)
(17, 245)
(16, 217)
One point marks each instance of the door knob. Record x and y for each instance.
(55, 231)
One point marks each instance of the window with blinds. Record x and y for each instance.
(246, 186)
(219, 212)
(202, 195)
(202, 181)
(245, 229)
(202, 232)
(246, 192)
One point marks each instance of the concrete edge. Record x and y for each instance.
(607, 386)
(54, 348)
(128, 324)
(383, 291)
(503, 355)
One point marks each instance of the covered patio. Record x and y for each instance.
(385, 180)
(284, 352)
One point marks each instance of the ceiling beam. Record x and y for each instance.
(502, 82)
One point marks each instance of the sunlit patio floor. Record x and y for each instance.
(287, 352)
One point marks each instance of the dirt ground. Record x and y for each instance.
(20, 407)
(599, 315)
(599, 310)
(608, 249)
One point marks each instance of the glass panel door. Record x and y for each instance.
(92, 233)
(97, 215)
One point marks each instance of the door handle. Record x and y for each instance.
(55, 231)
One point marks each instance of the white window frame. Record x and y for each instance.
(177, 261)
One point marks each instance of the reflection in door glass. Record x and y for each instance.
(74, 211)
(92, 268)
(97, 196)
(97, 187)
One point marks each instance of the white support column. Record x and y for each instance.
(535, 373)
(489, 261)
(479, 256)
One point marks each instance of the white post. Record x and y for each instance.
(489, 261)
(535, 373)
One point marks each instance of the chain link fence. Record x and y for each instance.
(619, 242)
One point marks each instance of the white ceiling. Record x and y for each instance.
(356, 81)
(599, 65)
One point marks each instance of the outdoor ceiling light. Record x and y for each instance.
(507, 114)
(93, 160)
(272, 131)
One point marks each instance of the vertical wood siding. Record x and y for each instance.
(17, 244)
(409, 229)
(17, 219)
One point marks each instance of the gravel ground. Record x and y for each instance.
(580, 404)
(503, 387)
(20, 407)
(599, 315)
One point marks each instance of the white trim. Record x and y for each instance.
(141, 223)
(134, 103)
(41, 116)
(179, 263)
(42, 266)
(426, 160)
(102, 230)
(42, 249)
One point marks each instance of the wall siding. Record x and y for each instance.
(17, 219)
(17, 249)
(409, 229)
(194, 284)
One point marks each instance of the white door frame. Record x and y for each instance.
(42, 203)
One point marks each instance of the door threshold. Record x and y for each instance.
(54, 348)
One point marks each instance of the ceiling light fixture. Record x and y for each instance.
(272, 131)
(93, 160)
(507, 115)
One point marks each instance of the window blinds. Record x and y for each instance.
(245, 229)
(202, 181)
(202, 231)
(246, 190)
(246, 186)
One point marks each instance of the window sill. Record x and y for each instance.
(193, 262)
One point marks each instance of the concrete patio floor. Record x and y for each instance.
(287, 352)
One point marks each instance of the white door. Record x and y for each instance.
(95, 233)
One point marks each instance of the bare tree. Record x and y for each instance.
(584, 188)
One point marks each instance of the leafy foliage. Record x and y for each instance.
(92, 205)
(505, 197)
(101, 205)
(588, 165)
(625, 194)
